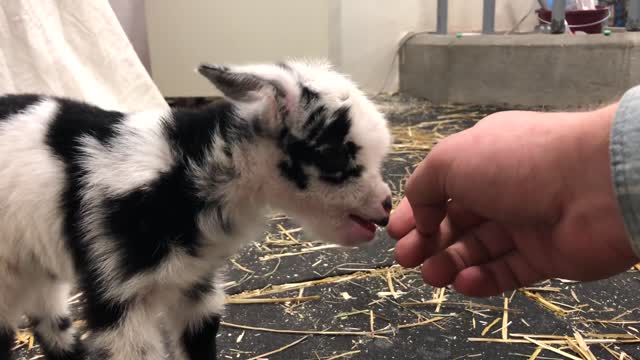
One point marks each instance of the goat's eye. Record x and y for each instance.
(332, 160)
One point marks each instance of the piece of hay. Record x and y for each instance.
(421, 323)
(371, 323)
(343, 355)
(545, 303)
(488, 327)
(505, 319)
(535, 354)
(280, 349)
(241, 267)
(583, 348)
(298, 299)
(392, 290)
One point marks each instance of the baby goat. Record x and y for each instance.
(141, 210)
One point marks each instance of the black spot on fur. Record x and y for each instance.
(315, 123)
(192, 131)
(295, 173)
(14, 104)
(325, 146)
(73, 121)
(103, 314)
(150, 222)
(6, 342)
(200, 290)
(308, 97)
(200, 344)
(337, 130)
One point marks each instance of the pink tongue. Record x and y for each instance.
(361, 230)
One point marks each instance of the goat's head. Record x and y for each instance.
(331, 142)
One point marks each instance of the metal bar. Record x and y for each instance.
(443, 17)
(633, 15)
(489, 17)
(558, 17)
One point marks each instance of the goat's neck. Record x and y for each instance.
(243, 175)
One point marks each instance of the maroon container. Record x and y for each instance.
(589, 21)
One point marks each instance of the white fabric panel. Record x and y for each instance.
(75, 49)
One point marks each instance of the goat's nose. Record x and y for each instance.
(387, 204)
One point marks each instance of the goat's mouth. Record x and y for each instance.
(361, 229)
(368, 225)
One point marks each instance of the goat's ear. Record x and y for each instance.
(240, 86)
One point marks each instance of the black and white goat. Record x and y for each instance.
(141, 210)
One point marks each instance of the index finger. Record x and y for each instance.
(401, 221)
(426, 189)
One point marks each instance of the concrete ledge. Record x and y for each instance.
(551, 70)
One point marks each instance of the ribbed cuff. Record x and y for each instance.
(625, 162)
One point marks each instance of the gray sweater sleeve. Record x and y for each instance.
(625, 162)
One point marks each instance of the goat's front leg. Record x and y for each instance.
(52, 323)
(195, 318)
(123, 330)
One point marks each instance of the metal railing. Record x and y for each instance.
(558, 23)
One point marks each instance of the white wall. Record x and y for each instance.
(359, 36)
(183, 34)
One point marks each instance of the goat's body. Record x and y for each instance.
(140, 211)
(113, 201)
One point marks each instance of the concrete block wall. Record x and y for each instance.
(551, 70)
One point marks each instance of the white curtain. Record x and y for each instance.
(74, 49)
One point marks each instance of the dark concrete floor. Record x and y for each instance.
(352, 286)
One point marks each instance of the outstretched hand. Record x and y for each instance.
(519, 198)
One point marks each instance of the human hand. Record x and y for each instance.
(531, 198)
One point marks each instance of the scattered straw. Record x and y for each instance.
(323, 281)
(467, 304)
(287, 233)
(301, 252)
(281, 349)
(583, 348)
(301, 332)
(553, 349)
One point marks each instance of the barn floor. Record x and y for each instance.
(330, 303)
